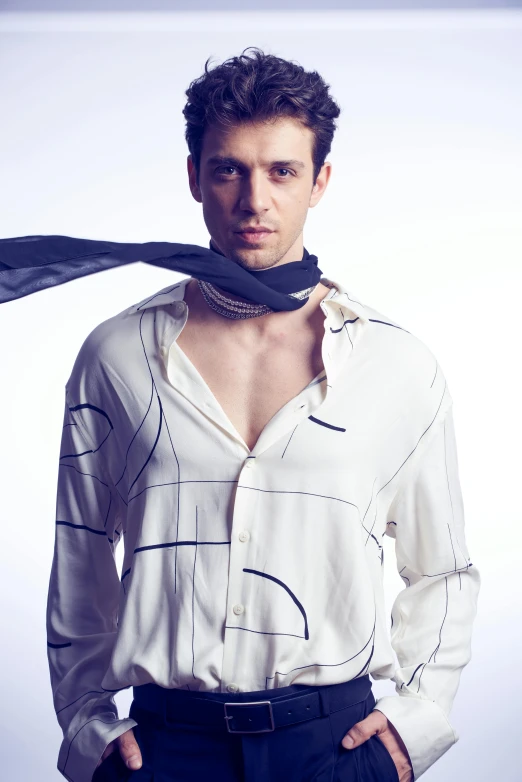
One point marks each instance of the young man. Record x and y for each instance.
(253, 460)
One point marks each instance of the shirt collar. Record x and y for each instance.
(345, 300)
(338, 297)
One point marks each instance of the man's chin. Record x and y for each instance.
(247, 260)
(254, 260)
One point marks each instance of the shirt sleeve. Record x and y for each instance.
(432, 616)
(82, 602)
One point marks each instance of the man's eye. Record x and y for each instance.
(223, 169)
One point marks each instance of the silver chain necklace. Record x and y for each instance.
(230, 308)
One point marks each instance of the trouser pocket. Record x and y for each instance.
(385, 758)
(112, 769)
(370, 761)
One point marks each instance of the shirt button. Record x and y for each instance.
(232, 687)
(244, 536)
(179, 307)
(249, 463)
(238, 609)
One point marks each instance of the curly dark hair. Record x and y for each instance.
(259, 88)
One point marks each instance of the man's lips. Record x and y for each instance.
(255, 230)
(254, 236)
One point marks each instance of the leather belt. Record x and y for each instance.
(261, 715)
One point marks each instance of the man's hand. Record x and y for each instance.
(128, 748)
(377, 722)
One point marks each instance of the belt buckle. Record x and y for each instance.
(250, 703)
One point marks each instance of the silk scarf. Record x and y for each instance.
(32, 263)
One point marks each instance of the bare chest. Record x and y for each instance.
(252, 384)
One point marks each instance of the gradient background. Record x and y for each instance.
(421, 219)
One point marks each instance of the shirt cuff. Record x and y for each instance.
(77, 760)
(422, 725)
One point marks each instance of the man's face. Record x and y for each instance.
(263, 177)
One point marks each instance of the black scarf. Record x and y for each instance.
(32, 263)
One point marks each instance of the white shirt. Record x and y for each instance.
(251, 570)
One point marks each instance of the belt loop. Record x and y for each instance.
(324, 699)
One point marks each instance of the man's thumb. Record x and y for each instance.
(129, 750)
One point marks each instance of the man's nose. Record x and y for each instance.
(255, 193)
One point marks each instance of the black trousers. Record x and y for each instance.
(175, 748)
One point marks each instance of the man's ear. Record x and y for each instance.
(192, 174)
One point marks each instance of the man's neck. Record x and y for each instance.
(261, 326)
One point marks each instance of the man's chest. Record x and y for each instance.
(252, 383)
(176, 399)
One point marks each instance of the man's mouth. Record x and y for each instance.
(251, 237)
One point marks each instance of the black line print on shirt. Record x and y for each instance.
(81, 526)
(361, 672)
(153, 448)
(193, 593)
(261, 632)
(117, 532)
(315, 382)
(162, 416)
(315, 421)
(435, 375)
(354, 300)
(311, 494)
(103, 413)
(179, 483)
(133, 438)
(61, 465)
(161, 419)
(96, 410)
(89, 474)
(292, 595)
(400, 468)
(380, 553)
(175, 543)
(93, 719)
(288, 443)
(173, 451)
(434, 653)
(160, 293)
(124, 576)
(159, 411)
(452, 509)
(328, 426)
(418, 441)
(343, 326)
(89, 692)
(385, 323)
(306, 493)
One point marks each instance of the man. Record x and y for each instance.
(253, 460)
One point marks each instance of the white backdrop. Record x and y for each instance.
(421, 219)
